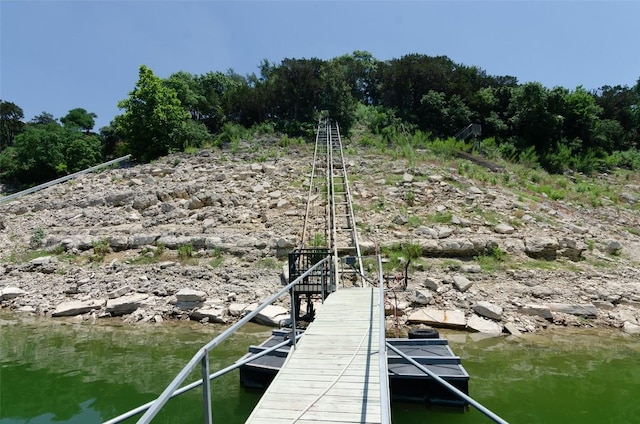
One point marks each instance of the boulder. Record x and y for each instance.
(237, 309)
(612, 247)
(190, 295)
(541, 247)
(631, 328)
(77, 307)
(143, 202)
(125, 304)
(422, 297)
(462, 283)
(488, 310)
(537, 310)
(584, 310)
(482, 325)
(271, 315)
(504, 229)
(512, 329)
(210, 314)
(439, 318)
(9, 293)
(431, 284)
(119, 292)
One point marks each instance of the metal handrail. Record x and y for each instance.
(455, 390)
(195, 384)
(385, 410)
(203, 353)
(62, 179)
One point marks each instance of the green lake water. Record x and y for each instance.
(62, 372)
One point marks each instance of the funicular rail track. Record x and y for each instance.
(329, 219)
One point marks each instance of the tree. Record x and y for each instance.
(11, 116)
(153, 114)
(45, 118)
(80, 118)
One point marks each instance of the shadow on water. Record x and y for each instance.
(64, 372)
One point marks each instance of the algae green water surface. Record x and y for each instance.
(61, 372)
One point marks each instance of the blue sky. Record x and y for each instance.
(59, 55)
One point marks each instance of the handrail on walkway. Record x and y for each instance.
(62, 179)
(385, 409)
(202, 357)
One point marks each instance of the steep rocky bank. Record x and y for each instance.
(203, 237)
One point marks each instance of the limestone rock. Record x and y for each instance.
(431, 284)
(237, 309)
(190, 295)
(211, 314)
(77, 307)
(462, 283)
(512, 329)
(612, 247)
(504, 229)
(9, 293)
(439, 318)
(119, 292)
(541, 247)
(482, 325)
(488, 310)
(421, 297)
(125, 304)
(631, 328)
(585, 310)
(537, 310)
(271, 315)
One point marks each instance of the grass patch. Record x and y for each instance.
(267, 263)
(493, 260)
(414, 221)
(440, 218)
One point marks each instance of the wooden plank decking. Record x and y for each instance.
(333, 374)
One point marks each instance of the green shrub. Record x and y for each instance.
(185, 251)
(37, 237)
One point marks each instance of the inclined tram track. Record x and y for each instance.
(329, 218)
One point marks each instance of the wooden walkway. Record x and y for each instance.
(333, 374)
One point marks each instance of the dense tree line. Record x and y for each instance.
(557, 128)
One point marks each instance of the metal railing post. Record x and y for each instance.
(206, 389)
(294, 313)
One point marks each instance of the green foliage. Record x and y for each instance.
(79, 118)
(37, 237)
(100, 249)
(185, 251)
(441, 217)
(11, 116)
(44, 152)
(410, 197)
(399, 253)
(267, 263)
(153, 120)
(318, 240)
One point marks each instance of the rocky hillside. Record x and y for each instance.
(204, 236)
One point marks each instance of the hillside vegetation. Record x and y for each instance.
(417, 101)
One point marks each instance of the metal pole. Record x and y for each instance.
(206, 389)
(294, 313)
(446, 384)
(62, 179)
(195, 384)
(385, 410)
